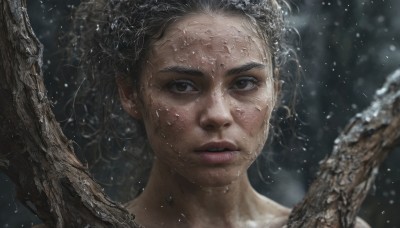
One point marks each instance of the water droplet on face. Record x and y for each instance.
(226, 190)
(163, 135)
(240, 111)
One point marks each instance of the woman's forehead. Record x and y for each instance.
(208, 27)
(213, 36)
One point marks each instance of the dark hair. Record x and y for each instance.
(114, 36)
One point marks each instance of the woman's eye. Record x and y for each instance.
(182, 86)
(245, 83)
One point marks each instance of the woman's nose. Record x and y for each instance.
(216, 112)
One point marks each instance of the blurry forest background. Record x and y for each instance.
(347, 49)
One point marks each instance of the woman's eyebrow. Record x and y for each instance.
(182, 70)
(244, 68)
(197, 72)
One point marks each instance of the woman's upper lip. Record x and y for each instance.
(226, 145)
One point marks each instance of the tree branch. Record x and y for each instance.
(34, 152)
(346, 176)
(51, 181)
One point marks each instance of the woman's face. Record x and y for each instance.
(206, 97)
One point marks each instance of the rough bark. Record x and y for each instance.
(34, 153)
(51, 181)
(346, 176)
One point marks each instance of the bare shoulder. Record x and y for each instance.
(275, 214)
(130, 205)
(279, 215)
(360, 223)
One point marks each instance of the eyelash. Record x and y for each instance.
(173, 85)
(255, 83)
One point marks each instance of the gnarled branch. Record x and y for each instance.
(51, 181)
(346, 176)
(34, 152)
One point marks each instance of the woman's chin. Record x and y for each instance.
(215, 178)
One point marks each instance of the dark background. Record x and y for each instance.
(347, 48)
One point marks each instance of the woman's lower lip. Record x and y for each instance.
(217, 157)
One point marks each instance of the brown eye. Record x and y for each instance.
(245, 83)
(182, 86)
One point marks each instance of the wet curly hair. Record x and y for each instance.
(111, 37)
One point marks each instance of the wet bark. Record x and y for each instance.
(346, 176)
(51, 181)
(34, 152)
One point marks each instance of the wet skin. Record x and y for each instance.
(206, 96)
(207, 86)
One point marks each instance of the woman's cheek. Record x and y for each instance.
(168, 122)
(253, 118)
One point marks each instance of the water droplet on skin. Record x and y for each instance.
(158, 116)
(183, 216)
(163, 135)
(240, 111)
(226, 190)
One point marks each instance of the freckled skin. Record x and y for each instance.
(174, 122)
(182, 111)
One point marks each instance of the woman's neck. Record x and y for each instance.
(175, 201)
